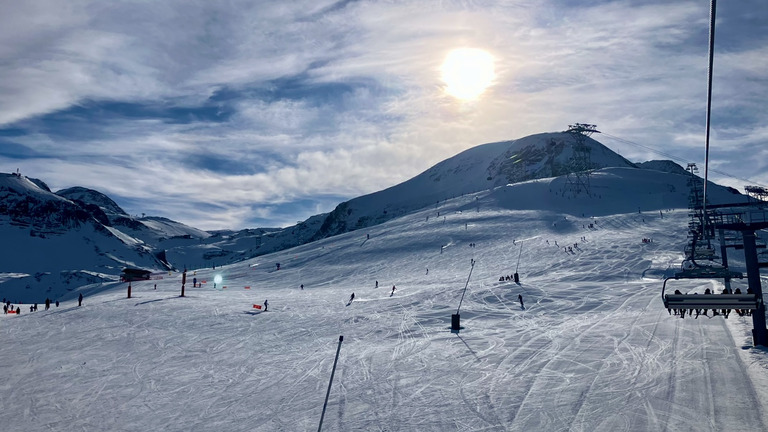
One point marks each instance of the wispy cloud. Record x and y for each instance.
(243, 114)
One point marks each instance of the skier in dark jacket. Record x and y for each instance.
(80, 299)
(520, 297)
(266, 305)
(726, 312)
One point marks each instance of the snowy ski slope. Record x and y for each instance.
(593, 350)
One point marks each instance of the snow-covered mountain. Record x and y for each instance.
(92, 197)
(543, 156)
(83, 232)
(146, 228)
(51, 243)
(663, 165)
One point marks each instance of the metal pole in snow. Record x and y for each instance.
(184, 281)
(712, 13)
(465, 287)
(518, 257)
(328, 393)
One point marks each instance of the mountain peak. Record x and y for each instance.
(90, 196)
(551, 155)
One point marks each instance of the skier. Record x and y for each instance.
(393, 291)
(266, 305)
(726, 312)
(302, 287)
(739, 311)
(80, 300)
(352, 297)
(377, 284)
(706, 291)
(520, 297)
(681, 312)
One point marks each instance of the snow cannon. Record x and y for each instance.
(455, 322)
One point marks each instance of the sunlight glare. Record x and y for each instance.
(467, 72)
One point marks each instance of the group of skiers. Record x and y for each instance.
(352, 297)
(8, 307)
(715, 312)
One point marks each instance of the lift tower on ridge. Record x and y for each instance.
(577, 178)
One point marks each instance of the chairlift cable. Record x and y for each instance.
(679, 159)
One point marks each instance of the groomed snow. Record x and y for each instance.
(593, 350)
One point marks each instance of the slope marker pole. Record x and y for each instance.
(183, 281)
(328, 393)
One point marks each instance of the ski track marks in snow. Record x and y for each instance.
(593, 349)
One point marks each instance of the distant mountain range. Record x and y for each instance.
(57, 241)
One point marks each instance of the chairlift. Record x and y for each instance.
(706, 272)
(740, 245)
(705, 252)
(710, 301)
(707, 301)
(753, 300)
(762, 259)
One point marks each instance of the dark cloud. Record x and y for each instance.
(14, 150)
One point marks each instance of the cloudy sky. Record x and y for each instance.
(235, 114)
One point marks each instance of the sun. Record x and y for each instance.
(467, 72)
